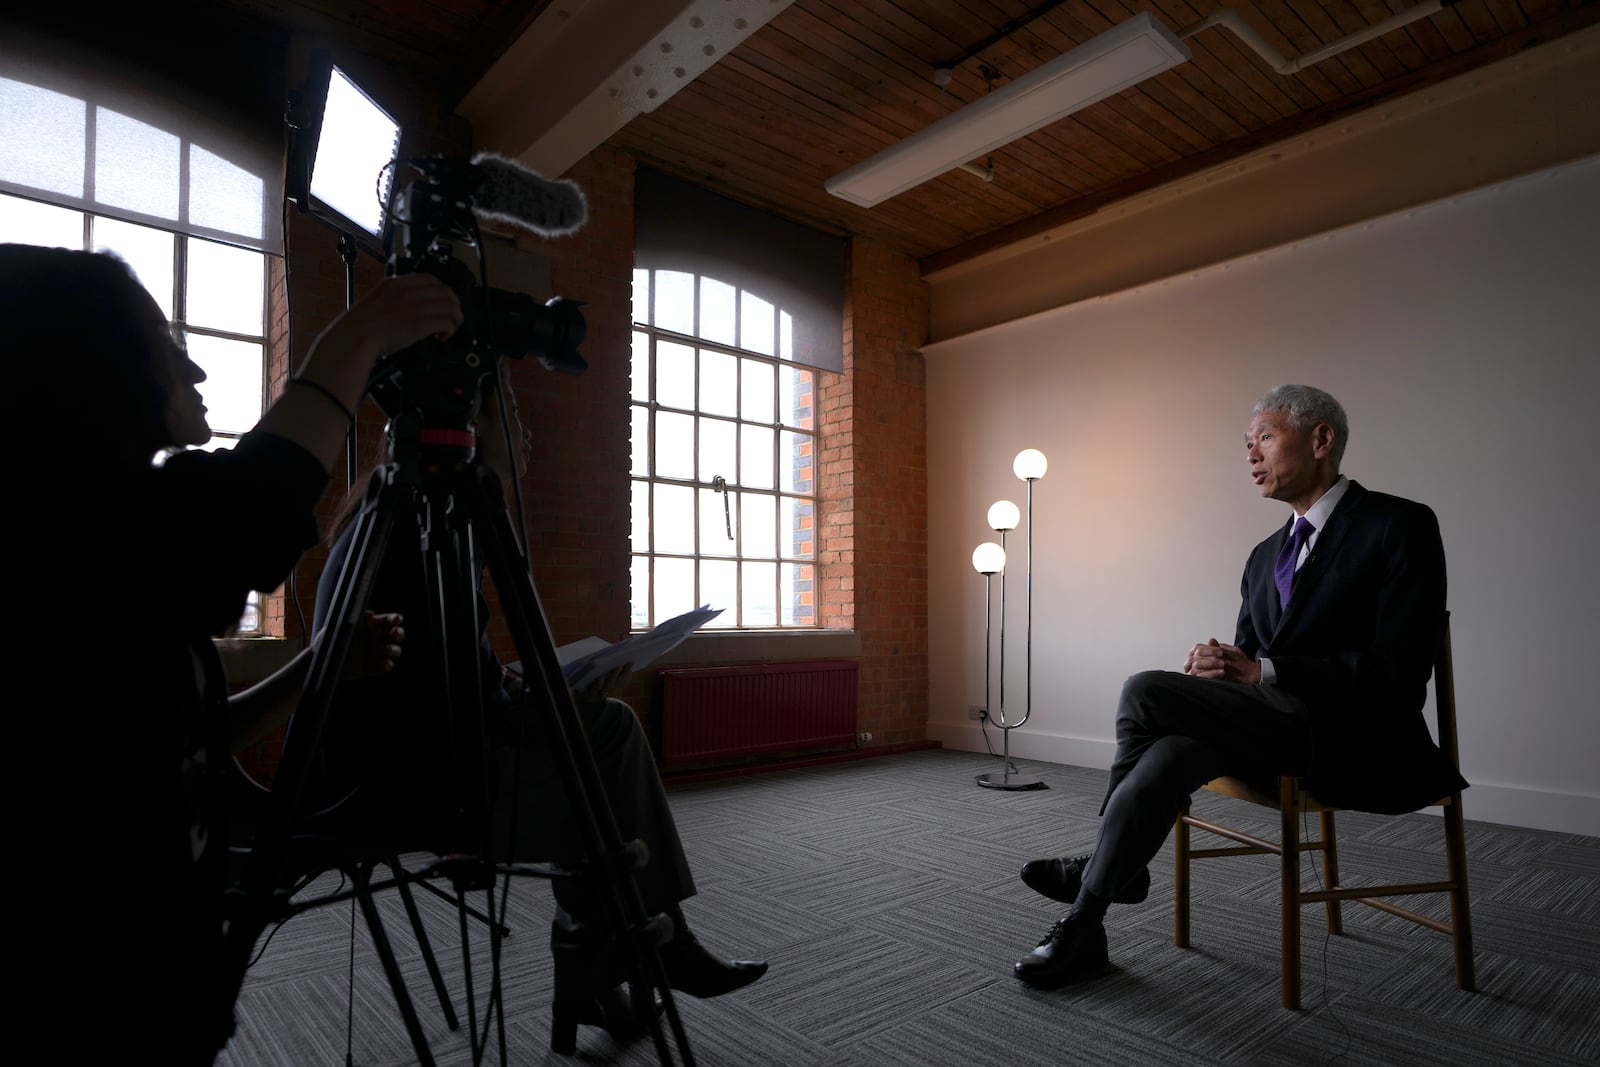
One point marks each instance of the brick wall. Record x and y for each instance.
(875, 474)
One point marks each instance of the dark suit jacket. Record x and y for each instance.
(1357, 644)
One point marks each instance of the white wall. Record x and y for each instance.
(1463, 338)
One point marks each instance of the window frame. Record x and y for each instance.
(795, 603)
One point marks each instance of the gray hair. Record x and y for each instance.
(1305, 407)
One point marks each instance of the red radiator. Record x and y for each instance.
(720, 714)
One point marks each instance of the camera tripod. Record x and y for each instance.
(435, 478)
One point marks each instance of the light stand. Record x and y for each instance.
(1029, 466)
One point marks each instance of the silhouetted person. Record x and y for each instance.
(128, 570)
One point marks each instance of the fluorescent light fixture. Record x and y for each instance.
(1125, 55)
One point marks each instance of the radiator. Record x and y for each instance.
(723, 714)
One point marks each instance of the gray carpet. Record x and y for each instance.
(884, 893)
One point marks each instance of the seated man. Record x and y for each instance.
(377, 774)
(1343, 610)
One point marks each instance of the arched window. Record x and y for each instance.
(724, 457)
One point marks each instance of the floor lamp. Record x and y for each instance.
(1029, 466)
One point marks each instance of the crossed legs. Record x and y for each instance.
(1175, 732)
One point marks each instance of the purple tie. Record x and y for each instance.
(1290, 555)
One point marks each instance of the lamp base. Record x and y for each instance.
(1010, 780)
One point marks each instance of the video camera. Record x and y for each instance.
(440, 210)
(342, 168)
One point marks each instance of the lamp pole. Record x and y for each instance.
(1029, 466)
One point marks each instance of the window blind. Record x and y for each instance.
(682, 227)
(90, 134)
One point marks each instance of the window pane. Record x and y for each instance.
(795, 524)
(227, 288)
(29, 222)
(719, 380)
(225, 197)
(673, 525)
(785, 335)
(718, 317)
(719, 587)
(755, 457)
(232, 389)
(795, 459)
(674, 591)
(639, 593)
(640, 367)
(674, 375)
(639, 443)
(759, 599)
(755, 324)
(717, 442)
(639, 524)
(250, 621)
(44, 135)
(755, 390)
(135, 165)
(795, 391)
(147, 250)
(716, 519)
(674, 306)
(758, 525)
(674, 451)
(641, 296)
(797, 581)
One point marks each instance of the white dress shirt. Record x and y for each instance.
(1317, 516)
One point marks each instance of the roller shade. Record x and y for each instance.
(682, 227)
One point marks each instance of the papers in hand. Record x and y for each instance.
(587, 661)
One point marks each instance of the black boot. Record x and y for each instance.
(589, 970)
(692, 969)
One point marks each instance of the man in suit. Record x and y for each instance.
(1342, 612)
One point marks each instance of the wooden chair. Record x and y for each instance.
(1290, 798)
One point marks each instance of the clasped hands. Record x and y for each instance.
(1212, 659)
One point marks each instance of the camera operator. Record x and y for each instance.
(117, 784)
(373, 746)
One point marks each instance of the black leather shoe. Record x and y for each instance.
(1060, 879)
(693, 970)
(1074, 949)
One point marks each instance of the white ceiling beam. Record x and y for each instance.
(585, 68)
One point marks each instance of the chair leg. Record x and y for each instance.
(1330, 872)
(1180, 882)
(1289, 867)
(1455, 837)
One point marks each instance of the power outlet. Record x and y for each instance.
(975, 711)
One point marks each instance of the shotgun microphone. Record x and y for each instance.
(510, 193)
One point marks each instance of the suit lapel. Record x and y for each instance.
(1329, 541)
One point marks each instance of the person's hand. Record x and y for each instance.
(398, 312)
(377, 646)
(1213, 659)
(596, 690)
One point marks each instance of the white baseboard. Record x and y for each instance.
(1510, 805)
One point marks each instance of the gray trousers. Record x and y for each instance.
(1175, 733)
(542, 825)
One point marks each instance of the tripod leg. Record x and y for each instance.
(604, 850)
(391, 969)
(403, 887)
(263, 887)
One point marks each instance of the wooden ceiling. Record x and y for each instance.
(825, 84)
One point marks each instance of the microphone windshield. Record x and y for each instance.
(511, 193)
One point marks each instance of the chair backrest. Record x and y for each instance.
(1444, 696)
